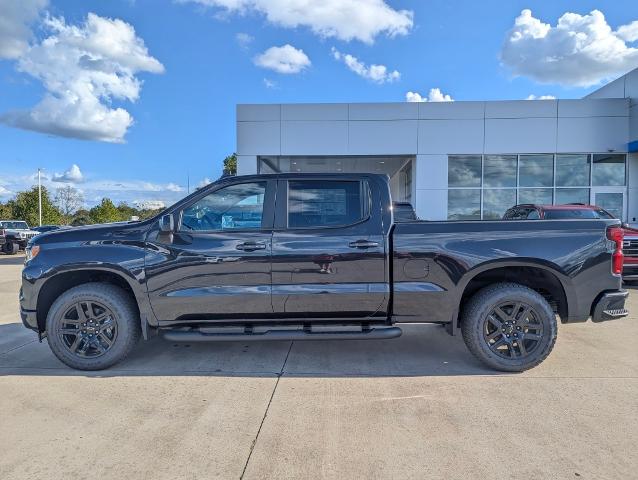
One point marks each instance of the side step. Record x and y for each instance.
(270, 335)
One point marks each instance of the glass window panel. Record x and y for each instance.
(536, 171)
(612, 202)
(464, 204)
(572, 170)
(314, 203)
(536, 196)
(572, 195)
(496, 202)
(229, 208)
(608, 170)
(499, 171)
(464, 171)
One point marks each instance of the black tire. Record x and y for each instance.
(10, 248)
(101, 335)
(509, 327)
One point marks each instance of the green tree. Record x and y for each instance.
(105, 212)
(125, 211)
(230, 164)
(80, 219)
(5, 211)
(25, 207)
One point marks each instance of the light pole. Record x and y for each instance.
(39, 199)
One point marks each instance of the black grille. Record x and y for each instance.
(630, 247)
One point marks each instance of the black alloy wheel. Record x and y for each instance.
(88, 329)
(512, 330)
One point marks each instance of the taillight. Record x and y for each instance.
(616, 235)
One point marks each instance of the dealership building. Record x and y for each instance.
(462, 160)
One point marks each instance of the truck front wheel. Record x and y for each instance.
(10, 248)
(93, 326)
(509, 327)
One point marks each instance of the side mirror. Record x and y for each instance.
(166, 224)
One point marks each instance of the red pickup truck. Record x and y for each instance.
(582, 211)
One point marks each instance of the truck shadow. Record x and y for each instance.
(422, 350)
(11, 259)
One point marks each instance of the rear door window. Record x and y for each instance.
(326, 203)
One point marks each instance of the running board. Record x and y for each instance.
(271, 335)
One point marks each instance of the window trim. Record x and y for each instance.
(282, 206)
(267, 215)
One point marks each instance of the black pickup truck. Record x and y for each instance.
(309, 257)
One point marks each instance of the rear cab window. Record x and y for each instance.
(327, 203)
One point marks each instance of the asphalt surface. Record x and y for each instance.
(417, 407)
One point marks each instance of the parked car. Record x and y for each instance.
(403, 212)
(580, 211)
(316, 256)
(14, 235)
(45, 228)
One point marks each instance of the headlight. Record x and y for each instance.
(31, 252)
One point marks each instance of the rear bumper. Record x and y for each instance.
(610, 306)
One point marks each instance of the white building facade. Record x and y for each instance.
(462, 160)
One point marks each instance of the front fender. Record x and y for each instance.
(58, 261)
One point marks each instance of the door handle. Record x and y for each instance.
(250, 246)
(363, 244)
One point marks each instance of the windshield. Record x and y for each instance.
(15, 225)
(576, 213)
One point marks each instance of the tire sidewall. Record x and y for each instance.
(545, 316)
(111, 297)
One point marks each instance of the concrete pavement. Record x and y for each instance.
(416, 407)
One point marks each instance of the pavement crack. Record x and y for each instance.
(19, 346)
(263, 419)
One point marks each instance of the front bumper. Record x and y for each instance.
(630, 271)
(29, 319)
(610, 306)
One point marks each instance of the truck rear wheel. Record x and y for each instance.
(92, 326)
(509, 327)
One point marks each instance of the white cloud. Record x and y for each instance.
(270, 83)
(435, 95)
(16, 17)
(129, 191)
(286, 59)
(373, 72)
(72, 175)
(581, 50)
(629, 33)
(5, 192)
(205, 181)
(541, 97)
(346, 20)
(149, 204)
(173, 187)
(244, 39)
(84, 68)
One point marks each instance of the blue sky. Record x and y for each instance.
(170, 98)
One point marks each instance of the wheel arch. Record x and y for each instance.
(546, 279)
(62, 281)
